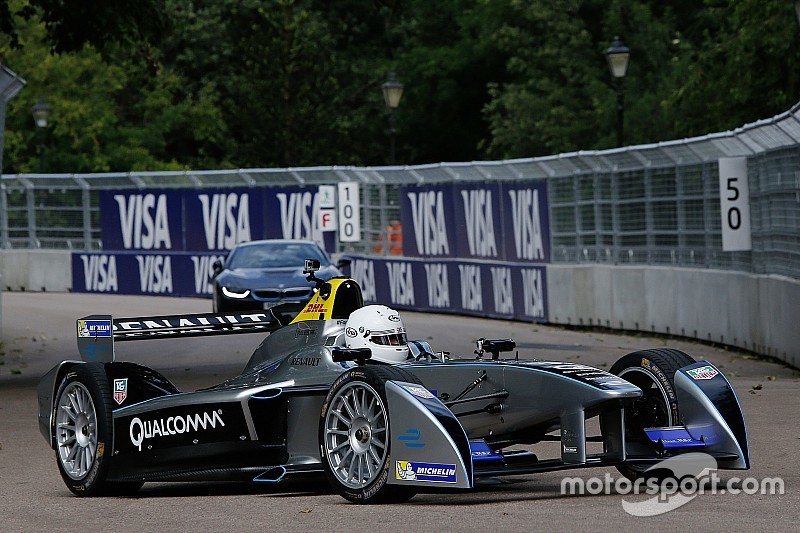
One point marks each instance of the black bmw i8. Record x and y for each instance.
(262, 274)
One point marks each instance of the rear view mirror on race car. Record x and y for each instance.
(339, 390)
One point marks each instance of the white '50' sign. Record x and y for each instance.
(734, 197)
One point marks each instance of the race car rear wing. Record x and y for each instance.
(97, 333)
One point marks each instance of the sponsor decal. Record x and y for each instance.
(704, 372)
(304, 330)
(394, 318)
(570, 449)
(305, 361)
(94, 328)
(420, 392)
(174, 425)
(431, 472)
(316, 308)
(411, 438)
(351, 332)
(183, 322)
(120, 390)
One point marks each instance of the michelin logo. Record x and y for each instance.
(94, 328)
(431, 472)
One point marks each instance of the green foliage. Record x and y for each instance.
(178, 84)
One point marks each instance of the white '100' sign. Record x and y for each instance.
(349, 216)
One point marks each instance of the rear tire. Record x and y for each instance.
(653, 371)
(355, 436)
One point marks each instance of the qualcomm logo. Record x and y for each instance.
(174, 425)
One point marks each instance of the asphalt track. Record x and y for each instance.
(38, 331)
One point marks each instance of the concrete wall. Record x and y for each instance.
(36, 270)
(758, 313)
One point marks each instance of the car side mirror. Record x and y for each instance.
(217, 266)
(343, 263)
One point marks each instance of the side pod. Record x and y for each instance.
(429, 446)
(711, 413)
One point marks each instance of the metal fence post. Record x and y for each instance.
(4, 240)
(86, 208)
(30, 206)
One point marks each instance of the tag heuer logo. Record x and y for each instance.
(120, 390)
(704, 372)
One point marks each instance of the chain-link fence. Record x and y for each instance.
(653, 204)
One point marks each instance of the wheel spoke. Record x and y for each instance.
(68, 410)
(341, 417)
(348, 408)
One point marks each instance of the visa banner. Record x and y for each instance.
(167, 274)
(502, 222)
(142, 219)
(492, 289)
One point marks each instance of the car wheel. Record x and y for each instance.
(355, 436)
(653, 371)
(82, 421)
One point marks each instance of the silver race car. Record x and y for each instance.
(339, 389)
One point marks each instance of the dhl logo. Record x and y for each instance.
(316, 308)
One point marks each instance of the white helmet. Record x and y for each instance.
(380, 329)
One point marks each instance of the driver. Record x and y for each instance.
(380, 329)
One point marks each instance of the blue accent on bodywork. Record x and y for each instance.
(410, 438)
(673, 438)
(482, 454)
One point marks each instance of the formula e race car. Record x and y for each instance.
(337, 388)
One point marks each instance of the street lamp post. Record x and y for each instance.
(10, 85)
(392, 92)
(41, 112)
(618, 55)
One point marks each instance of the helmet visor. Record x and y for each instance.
(390, 339)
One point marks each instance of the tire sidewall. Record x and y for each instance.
(642, 362)
(93, 482)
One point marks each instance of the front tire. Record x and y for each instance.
(83, 428)
(355, 436)
(653, 371)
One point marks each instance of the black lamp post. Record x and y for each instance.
(41, 112)
(392, 92)
(618, 55)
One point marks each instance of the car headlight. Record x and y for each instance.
(235, 293)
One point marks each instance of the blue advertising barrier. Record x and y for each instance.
(515, 291)
(209, 220)
(501, 222)
(168, 274)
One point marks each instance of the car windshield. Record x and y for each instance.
(276, 255)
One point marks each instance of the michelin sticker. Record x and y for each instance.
(704, 372)
(94, 328)
(432, 472)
